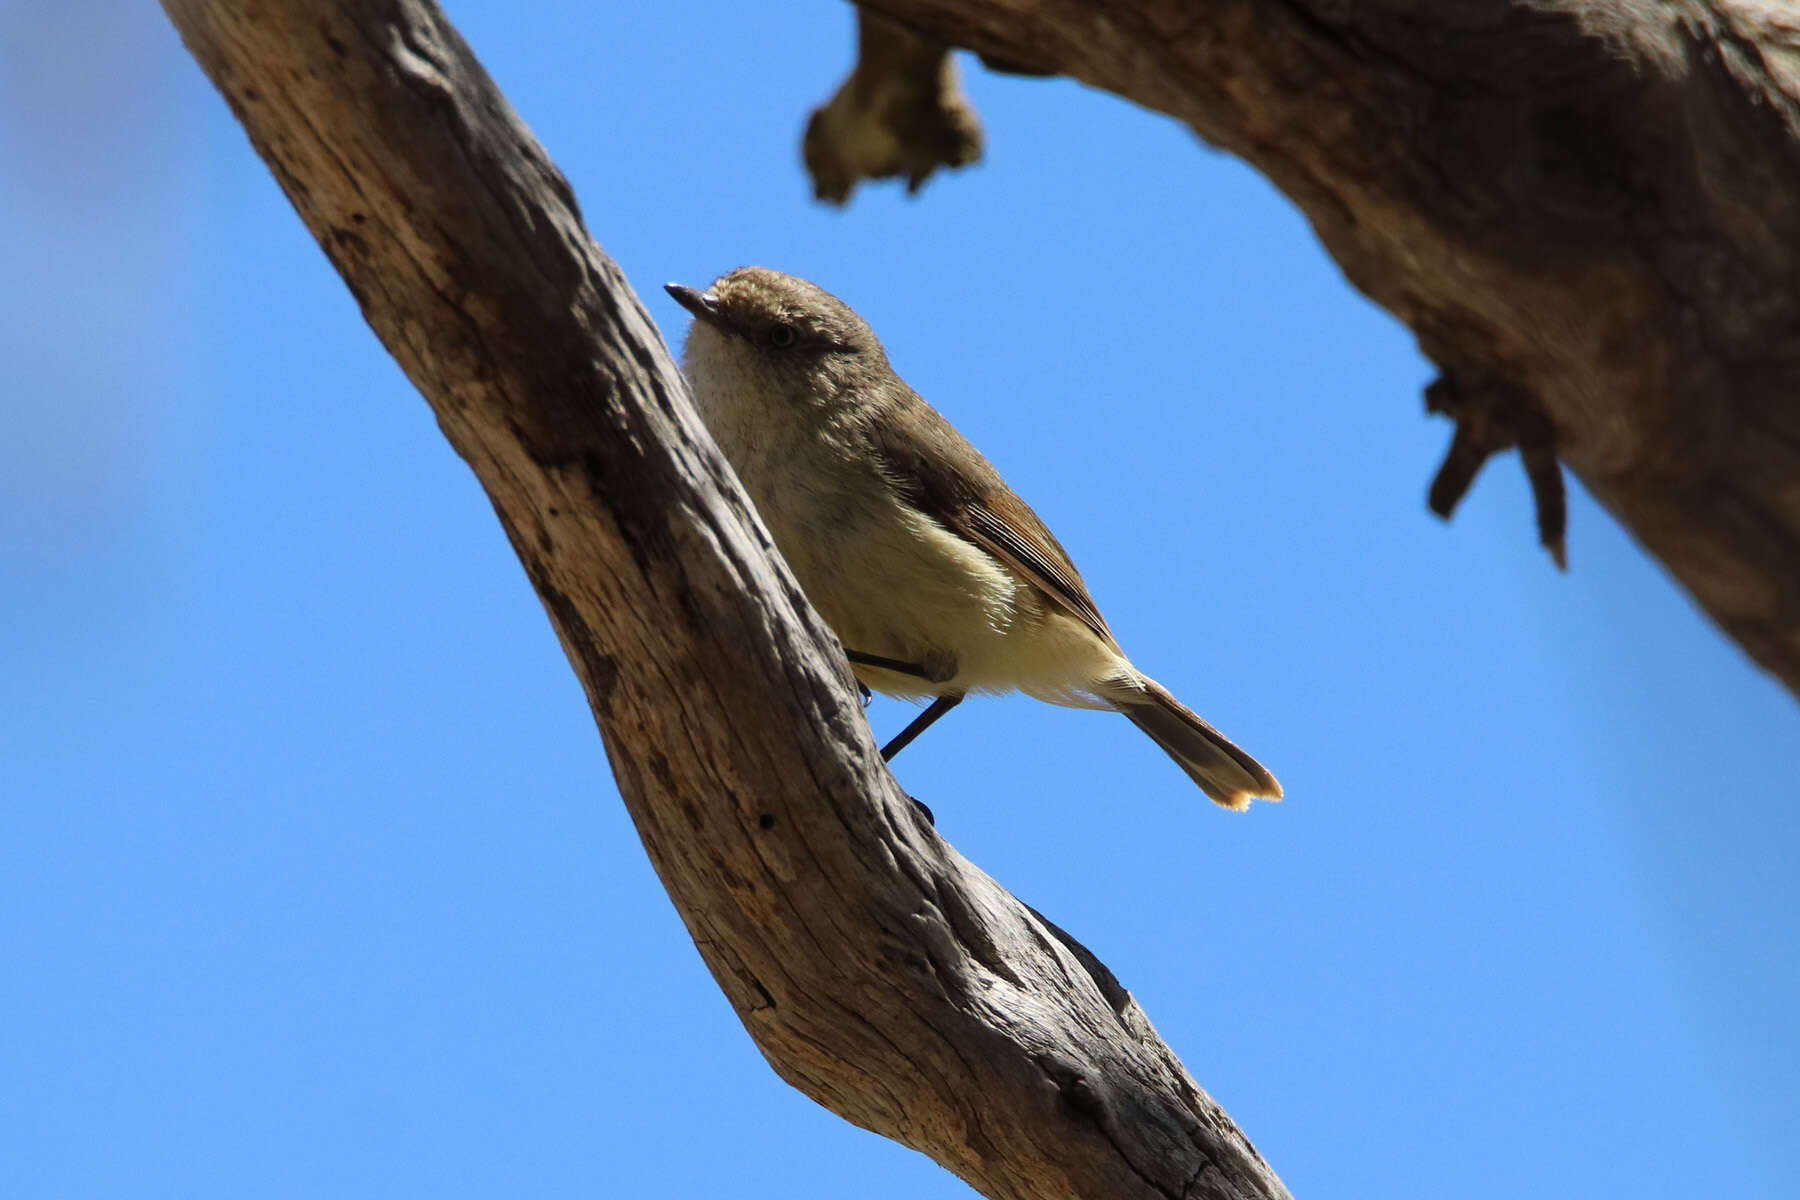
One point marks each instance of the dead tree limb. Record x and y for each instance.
(1593, 209)
(878, 971)
(901, 112)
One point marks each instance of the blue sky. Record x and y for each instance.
(313, 880)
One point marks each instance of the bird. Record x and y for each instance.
(936, 578)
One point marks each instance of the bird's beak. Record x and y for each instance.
(702, 304)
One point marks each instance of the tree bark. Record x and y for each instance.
(877, 970)
(1588, 213)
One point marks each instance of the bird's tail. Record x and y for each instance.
(1224, 772)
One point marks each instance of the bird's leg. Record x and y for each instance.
(886, 664)
(875, 660)
(921, 723)
(936, 672)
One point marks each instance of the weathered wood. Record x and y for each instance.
(902, 112)
(877, 970)
(1595, 207)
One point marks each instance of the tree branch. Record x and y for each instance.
(902, 111)
(878, 971)
(1595, 206)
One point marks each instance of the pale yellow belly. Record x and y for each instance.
(897, 585)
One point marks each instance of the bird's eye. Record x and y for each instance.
(782, 336)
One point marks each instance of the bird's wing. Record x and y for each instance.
(1017, 537)
(971, 500)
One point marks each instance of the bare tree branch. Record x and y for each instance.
(902, 111)
(1596, 206)
(878, 971)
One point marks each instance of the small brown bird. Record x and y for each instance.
(935, 576)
